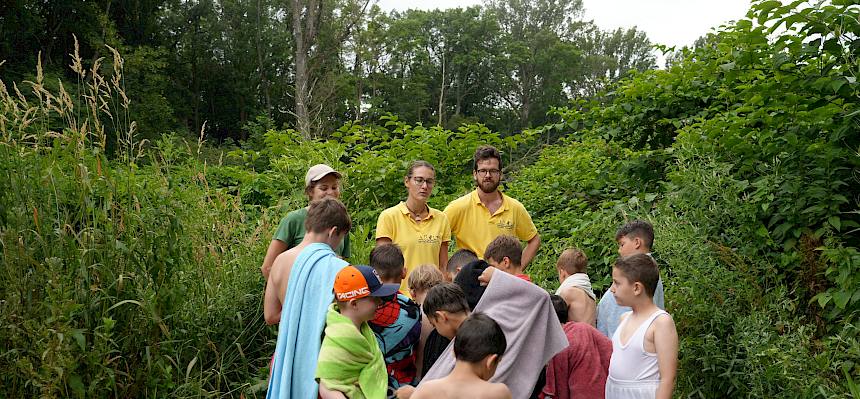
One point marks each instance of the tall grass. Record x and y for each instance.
(124, 273)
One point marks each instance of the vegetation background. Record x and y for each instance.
(140, 190)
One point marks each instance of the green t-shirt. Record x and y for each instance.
(291, 231)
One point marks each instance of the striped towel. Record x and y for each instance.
(351, 361)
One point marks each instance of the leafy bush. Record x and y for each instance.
(131, 270)
(122, 277)
(742, 154)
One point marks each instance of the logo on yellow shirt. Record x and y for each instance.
(428, 239)
(505, 224)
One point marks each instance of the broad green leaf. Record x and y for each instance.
(823, 298)
(835, 222)
(841, 298)
(78, 335)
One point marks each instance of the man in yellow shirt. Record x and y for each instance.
(479, 217)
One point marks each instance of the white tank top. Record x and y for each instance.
(630, 362)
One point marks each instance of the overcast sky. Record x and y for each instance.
(671, 22)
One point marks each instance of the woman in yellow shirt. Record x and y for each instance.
(421, 232)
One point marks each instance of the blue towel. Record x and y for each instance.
(309, 293)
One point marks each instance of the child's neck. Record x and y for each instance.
(391, 281)
(318, 238)
(515, 270)
(644, 306)
(469, 371)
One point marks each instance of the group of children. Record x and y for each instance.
(379, 342)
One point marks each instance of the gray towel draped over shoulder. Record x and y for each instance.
(525, 314)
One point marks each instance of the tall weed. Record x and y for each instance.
(122, 275)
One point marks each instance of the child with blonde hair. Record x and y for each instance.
(430, 344)
(422, 279)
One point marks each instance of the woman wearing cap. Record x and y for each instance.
(421, 232)
(321, 181)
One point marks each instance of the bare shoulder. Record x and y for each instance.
(282, 266)
(429, 389)
(285, 260)
(497, 391)
(571, 294)
(664, 324)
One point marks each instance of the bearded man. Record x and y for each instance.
(482, 215)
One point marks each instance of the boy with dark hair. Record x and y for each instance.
(350, 361)
(327, 222)
(387, 260)
(523, 311)
(635, 237)
(460, 258)
(575, 286)
(505, 253)
(478, 347)
(634, 370)
(637, 229)
(580, 370)
(300, 306)
(446, 307)
(397, 323)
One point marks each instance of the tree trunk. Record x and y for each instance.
(442, 93)
(304, 33)
(525, 95)
(357, 73)
(263, 81)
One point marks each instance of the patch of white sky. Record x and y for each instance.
(674, 23)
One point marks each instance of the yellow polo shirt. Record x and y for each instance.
(475, 228)
(420, 242)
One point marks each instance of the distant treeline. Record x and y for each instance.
(315, 64)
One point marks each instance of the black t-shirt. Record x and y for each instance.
(433, 348)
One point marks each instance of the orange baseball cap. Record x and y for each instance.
(354, 282)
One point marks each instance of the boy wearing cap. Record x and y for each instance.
(350, 361)
(321, 181)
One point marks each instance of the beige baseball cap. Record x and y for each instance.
(317, 172)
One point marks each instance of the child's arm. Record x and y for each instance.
(666, 344)
(275, 249)
(271, 301)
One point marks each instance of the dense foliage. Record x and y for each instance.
(225, 62)
(131, 268)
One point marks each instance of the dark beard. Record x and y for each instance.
(492, 189)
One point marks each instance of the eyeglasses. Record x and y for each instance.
(484, 172)
(420, 181)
